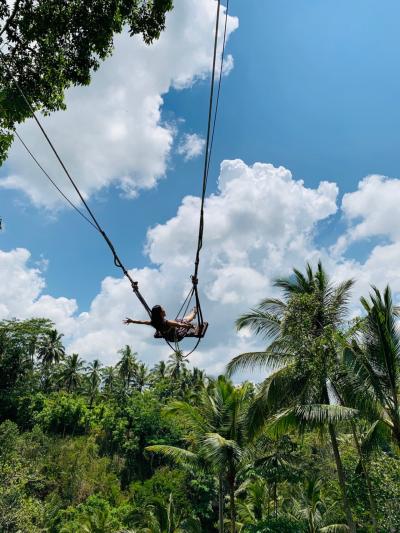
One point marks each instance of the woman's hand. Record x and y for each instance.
(128, 321)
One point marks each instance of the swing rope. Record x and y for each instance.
(211, 126)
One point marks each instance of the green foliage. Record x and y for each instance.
(130, 427)
(385, 478)
(160, 486)
(19, 341)
(64, 414)
(20, 507)
(9, 434)
(75, 470)
(95, 515)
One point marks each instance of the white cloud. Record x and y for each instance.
(259, 224)
(21, 292)
(113, 132)
(191, 146)
(371, 211)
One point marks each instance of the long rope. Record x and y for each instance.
(219, 86)
(211, 124)
(117, 261)
(210, 132)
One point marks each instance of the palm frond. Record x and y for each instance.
(179, 455)
(275, 355)
(190, 414)
(335, 528)
(324, 413)
(278, 390)
(377, 437)
(260, 322)
(339, 300)
(218, 449)
(273, 306)
(302, 417)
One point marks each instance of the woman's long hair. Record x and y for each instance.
(157, 320)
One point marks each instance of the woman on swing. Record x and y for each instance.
(171, 330)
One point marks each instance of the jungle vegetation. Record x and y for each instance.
(311, 446)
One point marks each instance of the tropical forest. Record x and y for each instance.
(313, 447)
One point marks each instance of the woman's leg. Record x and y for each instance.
(191, 316)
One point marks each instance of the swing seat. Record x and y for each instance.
(197, 332)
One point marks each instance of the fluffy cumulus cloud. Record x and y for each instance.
(371, 211)
(191, 146)
(113, 132)
(259, 223)
(372, 218)
(22, 294)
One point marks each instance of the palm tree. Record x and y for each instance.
(51, 349)
(159, 371)
(375, 360)
(127, 365)
(277, 465)
(142, 376)
(71, 375)
(197, 383)
(93, 380)
(254, 507)
(309, 505)
(302, 329)
(218, 437)
(176, 364)
(110, 379)
(164, 518)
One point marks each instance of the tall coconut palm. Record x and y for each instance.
(375, 359)
(127, 365)
(71, 372)
(218, 437)
(278, 464)
(301, 329)
(51, 349)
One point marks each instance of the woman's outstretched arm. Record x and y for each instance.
(143, 322)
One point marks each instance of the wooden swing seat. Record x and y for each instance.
(197, 332)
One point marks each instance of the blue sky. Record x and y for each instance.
(314, 88)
